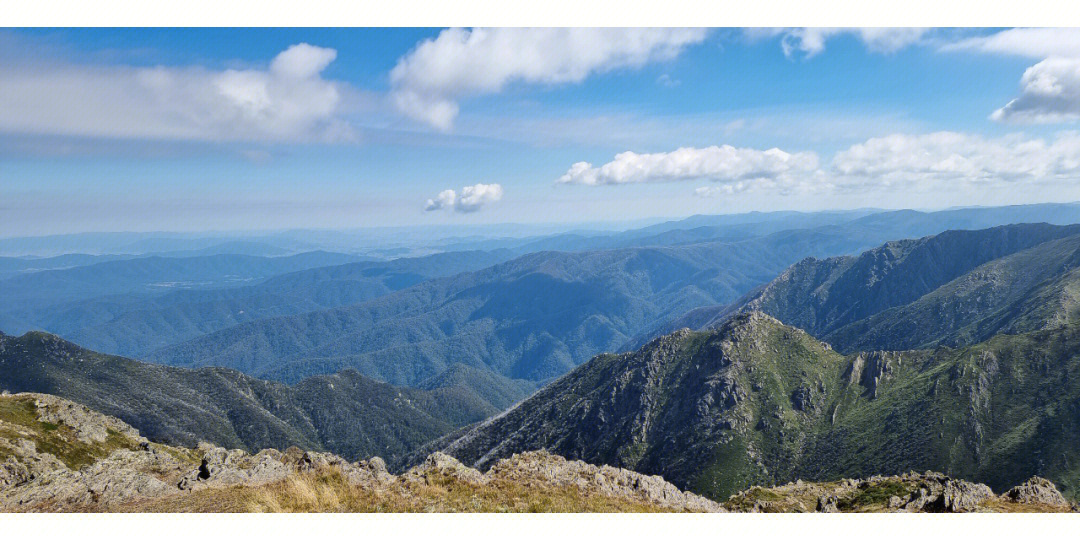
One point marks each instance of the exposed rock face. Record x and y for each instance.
(123, 476)
(1037, 491)
(937, 492)
(90, 426)
(609, 481)
(910, 492)
(533, 468)
(221, 468)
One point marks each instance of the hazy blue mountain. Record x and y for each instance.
(532, 318)
(156, 275)
(134, 325)
(13, 266)
(345, 413)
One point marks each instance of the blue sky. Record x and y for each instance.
(223, 129)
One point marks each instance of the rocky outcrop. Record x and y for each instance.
(102, 464)
(222, 468)
(1036, 491)
(123, 476)
(89, 426)
(35, 480)
(608, 481)
(543, 468)
(910, 492)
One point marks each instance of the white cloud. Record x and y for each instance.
(1050, 89)
(709, 192)
(666, 81)
(811, 41)
(934, 161)
(1050, 93)
(722, 164)
(949, 157)
(428, 83)
(471, 199)
(1029, 42)
(287, 101)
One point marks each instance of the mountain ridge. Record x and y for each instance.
(760, 402)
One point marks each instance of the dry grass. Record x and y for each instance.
(1008, 507)
(330, 492)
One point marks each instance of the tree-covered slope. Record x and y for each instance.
(533, 318)
(346, 413)
(135, 326)
(957, 287)
(1034, 289)
(759, 402)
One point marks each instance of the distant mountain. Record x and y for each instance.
(13, 266)
(539, 315)
(759, 402)
(134, 326)
(954, 288)
(1034, 289)
(534, 317)
(234, 247)
(154, 275)
(346, 413)
(734, 227)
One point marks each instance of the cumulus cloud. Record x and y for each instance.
(952, 156)
(811, 41)
(937, 160)
(722, 164)
(289, 100)
(428, 83)
(1050, 89)
(471, 199)
(1050, 93)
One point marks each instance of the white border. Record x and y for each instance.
(538, 13)
(538, 526)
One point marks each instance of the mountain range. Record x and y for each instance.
(955, 288)
(346, 413)
(536, 316)
(809, 354)
(759, 402)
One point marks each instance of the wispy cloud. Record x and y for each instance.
(809, 42)
(1027, 42)
(287, 101)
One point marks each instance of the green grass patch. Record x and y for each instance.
(874, 495)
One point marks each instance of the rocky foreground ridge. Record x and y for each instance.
(56, 455)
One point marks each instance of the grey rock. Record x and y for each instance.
(1036, 490)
